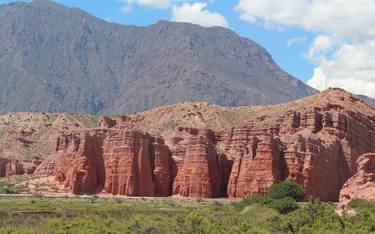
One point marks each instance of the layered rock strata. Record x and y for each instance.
(225, 152)
(316, 148)
(124, 162)
(362, 184)
(201, 172)
(18, 167)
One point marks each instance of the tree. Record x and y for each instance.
(286, 189)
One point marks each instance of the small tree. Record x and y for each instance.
(286, 189)
(284, 205)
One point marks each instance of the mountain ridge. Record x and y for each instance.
(60, 59)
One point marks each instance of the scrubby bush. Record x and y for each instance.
(196, 224)
(283, 205)
(8, 188)
(281, 197)
(258, 215)
(286, 189)
(250, 201)
(361, 204)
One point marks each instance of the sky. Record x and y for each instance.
(325, 43)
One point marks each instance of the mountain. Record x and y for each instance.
(59, 59)
(369, 100)
(195, 149)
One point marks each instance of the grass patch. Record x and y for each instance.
(119, 215)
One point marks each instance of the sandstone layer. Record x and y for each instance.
(120, 161)
(202, 150)
(362, 184)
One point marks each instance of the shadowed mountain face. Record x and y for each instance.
(369, 100)
(54, 58)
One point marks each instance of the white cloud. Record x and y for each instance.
(296, 40)
(158, 4)
(352, 67)
(344, 50)
(319, 48)
(197, 13)
(191, 11)
(342, 17)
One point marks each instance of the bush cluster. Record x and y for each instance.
(252, 215)
(281, 197)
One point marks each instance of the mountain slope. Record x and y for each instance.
(54, 58)
(369, 100)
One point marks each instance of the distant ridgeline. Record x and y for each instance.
(60, 59)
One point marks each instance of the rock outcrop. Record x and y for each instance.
(18, 167)
(223, 152)
(316, 147)
(256, 167)
(201, 172)
(82, 170)
(362, 184)
(124, 162)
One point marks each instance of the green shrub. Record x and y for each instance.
(284, 205)
(286, 189)
(250, 201)
(8, 188)
(196, 224)
(361, 204)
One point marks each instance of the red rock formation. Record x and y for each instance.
(258, 167)
(46, 168)
(84, 172)
(362, 184)
(124, 162)
(18, 167)
(3, 163)
(315, 148)
(199, 175)
(315, 145)
(128, 166)
(107, 122)
(162, 174)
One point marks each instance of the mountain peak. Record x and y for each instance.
(66, 60)
(44, 3)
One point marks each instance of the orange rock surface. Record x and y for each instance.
(202, 150)
(362, 184)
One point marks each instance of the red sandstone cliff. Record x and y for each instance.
(18, 167)
(201, 171)
(315, 141)
(362, 184)
(124, 162)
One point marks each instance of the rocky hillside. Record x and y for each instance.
(28, 136)
(203, 150)
(57, 59)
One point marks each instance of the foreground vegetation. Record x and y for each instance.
(271, 214)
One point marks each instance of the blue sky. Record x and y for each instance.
(321, 42)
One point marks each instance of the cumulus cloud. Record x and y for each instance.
(319, 48)
(191, 11)
(352, 67)
(343, 52)
(341, 17)
(197, 13)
